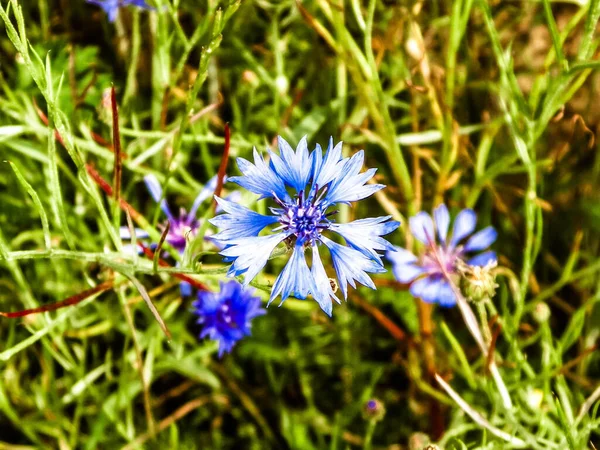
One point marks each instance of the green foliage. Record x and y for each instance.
(489, 106)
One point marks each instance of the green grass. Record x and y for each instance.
(489, 105)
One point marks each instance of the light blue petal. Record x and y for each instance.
(185, 289)
(260, 178)
(239, 221)
(156, 192)
(421, 226)
(293, 167)
(349, 184)
(441, 218)
(400, 256)
(295, 277)
(124, 233)
(481, 240)
(365, 234)
(405, 273)
(464, 225)
(323, 292)
(326, 169)
(483, 259)
(351, 265)
(428, 288)
(250, 254)
(207, 191)
(446, 297)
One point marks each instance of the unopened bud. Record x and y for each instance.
(541, 312)
(478, 283)
(374, 410)
(418, 441)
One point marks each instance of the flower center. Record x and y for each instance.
(305, 218)
(441, 260)
(182, 228)
(224, 314)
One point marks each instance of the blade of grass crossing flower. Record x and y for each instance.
(163, 236)
(37, 202)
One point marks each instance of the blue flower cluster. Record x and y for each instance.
(226, 316)
(305, 188)
(429, 275)
(111, 7)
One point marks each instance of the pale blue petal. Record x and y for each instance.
(405, 273)
(349, 184)
(156, 192)
(124, 233)
(185, 289)
(294, 167)
(207, 191)
(421, 226)
(260, 178)
(239, 221)
(483, 259)
(250, 254)
(481, 240)
(323, 292)
(365, 235)
(295, 278)
(446, 296)
(400, 256)
(351, 265)
(326, 168)
(441, 218)
(464, 225)
(428, 288)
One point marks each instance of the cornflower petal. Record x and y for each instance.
(481, 240)
(365, 235)
(421, 226)
(295, 277)
(239, 222)
(428, 288)
(326, 168)
(155, 190)
(464, 225)
(294, 168)
(441, 217)
(250, 254)
(259, 178)
(349, 186)
(323, 293)
(125, 233)
(405, 273)
(483, 259)
(400, 256)
(206, 192)
(351, 265)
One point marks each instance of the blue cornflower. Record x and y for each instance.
(305, 188)
(226, 315)
(183, 227)
(429, 274)
(111, 7)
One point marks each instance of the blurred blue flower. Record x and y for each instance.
(183, 227)
(428, 274)
(305, 188)
(111, 7)
(226, 315)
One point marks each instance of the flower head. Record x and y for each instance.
(111, 7)
(443, 254)
(185, 226)
(226, 315)
(305, 187)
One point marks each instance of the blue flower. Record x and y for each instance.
(183, 227)
(226, 315)
(429, 274)
(305, 188)
(111, 7)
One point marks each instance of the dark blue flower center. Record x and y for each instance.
(224, 314)
(305, 218)
(182, 228)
